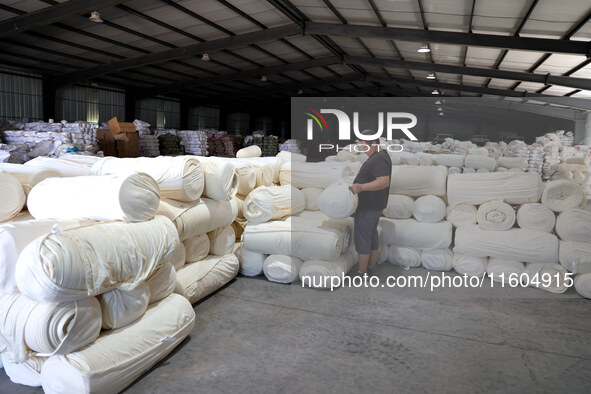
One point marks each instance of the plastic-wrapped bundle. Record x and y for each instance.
(511, 187)
(513, 244)
(469, 265)
(130, 198)
(428, 209)
(221, 180)
(418, 181)
(91, 260)
(221, 241)
(250, 151)
(337, 201)
(513, 162)
(575, 256)
(117, 357)
(496, 215)
(399, 207)
(583, 285)
(462, 214)
(122, 307)
(161, 283)
(440, 259)
(320, 175)
(272, 203)
(574, 225)
(12, 198)
(404, 256)
(251, 263)
(65, 167)
(409, 232)
(27, 373)
(197, 280)
(562, 195)
(196, 248)
(501, 270)
(316, 273)
(550, 277)
(282, 269)
(29, 176)
(536, 216)
(311, 195)
(450, 160)
(179, 178)
(480, 162)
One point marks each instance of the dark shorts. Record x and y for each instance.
(366, 231)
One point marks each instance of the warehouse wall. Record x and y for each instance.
(93, 105)
(21, 96)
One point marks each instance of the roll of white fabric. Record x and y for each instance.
(575, 256)
(501, 169)
(343, 226)
(27, 373)
(247, 177)
(454, 170)
(404, 256)
(197, 280)
(409, 232)
(426, 161)
(450, 160)
(29, 176)
(318, 274)
(511, 187)
(91, 260)
(562, 195)
(221, 179)
(129, 198)
(272, 203)
(496, 216)
(501, 270)
(162, 283)
(198, 217)
(178, 256)
(480, 162)
(462, 214)
(399, 207)
(482, 171)
(264, 168)
(418, 181)
(513, 162)
(117, 357)
(239, 206)
(46, 328)
(12, 198)
(583, 285)
(221, 241)
(469, 265)
(81, 159)
(251, 263)
(250, 151)
(405, 157)
(513, 244)
(549, 277)
(536, 216)
(337, 201)
(311, 195)
(123, 307)
(383, 252)
(179, 177)
(466, 170)
(574, 225)
(321, 175)
(282, 269)
(64, 167)
(428, 209)
(238, 225)
(437, 259)
(196, 248)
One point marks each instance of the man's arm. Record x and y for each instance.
(379, 183)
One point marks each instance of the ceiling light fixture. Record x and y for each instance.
(437, 102)
(424, 48)
(205, 57)
(435, 91)
(264, 78)
(439, 109)
(300, 91)
(95, 17)
(441, 114)
(431, 76)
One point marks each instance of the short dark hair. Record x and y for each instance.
(371, 132)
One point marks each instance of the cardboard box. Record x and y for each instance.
(116, 127)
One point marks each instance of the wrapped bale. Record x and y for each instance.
(575, 256)
(161, 283)
(337, 201)
(64, 167)
(480, 162)
(251, 263)
(440, 259)
(409, 232)
(272, 203)
(282, 269)
(247, 177)
(574, 225)
(197, 280)
(500, 270)
(311, 195)
(250, 151)
(12, 198)
(317, 274)
(222, 241)
(428, 209)
(404, 256)
(536, 216)
(495, 215)
(321, 175)
(462, 214)
(415, 181)
(196, 248)
(583, 285)
(546, 276)
(221, 180)
(562, 195)
(29, 176)
(513, 162)
(469, 265)
(399, 207)
(449, 160)
(122, 307)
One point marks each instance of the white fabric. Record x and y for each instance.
(450, 160)
(513, 162)
(409, 232)
(546, 275)
(250, 151)
(123, 307)
(337, 201)
(513, 244)
(29, 176)
(428, 209)
(404, 256)
(251, 263)
(574, 225)
(12, 197)
(454, 170)
(27, 373)
(282, 269)
(82, 159)
(272, 203)
(575, 256)
(221, 179)
(469, 265)
(264, 169)
(119, 357)
(437, 259)
(162, 283)
(315, 273)
(247, 177)
(462, 214)
(480, 162)
(508, 268)
(417, 181)
(64, 167)
(91, 260)
(511, 187)
(198, 217)
(179, 177)
(178, 256)
(536, 216)
(583, 285)
(221, 241)
(399, 207)
(311, 195)
(130, 198)
(197, 280)
(383, 250)
(196, 248)
(318, 219)
(562, 194)
(320, 175)
(496, 215)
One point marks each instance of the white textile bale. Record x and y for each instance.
(282, 269)
(129, 198)
(462, 214)
(409, 232)
(466, 170)
(272, 203)
(426, 161)
(196, 248)
(197, 280)
(91, 260)
(250, 151)
(178, 256)
(29, 176)
(415, 181)
(318, 274)
(513, 162)
(118, 357)
(180, 178)
(513, 244)
(239, 206)
(511, 187)
(440, 259)
(575, 256)
(161, 283)
(515, 170)
(337, 201)
(221, 179)
(311, 195)
(501, 270)
(122, 307)
(574, 225)
(428, 209)
(12, 197)
(536, 216)
(399, 207)
(64, 167)
(469, 265)
(454, 170)
(482, 171)
(562, 194)
(221, 241)
(480, 162)
(247, 177)
(550, 277)
(583, 285)
(81, 159)
(450, 160)
(318, 219)
(27, 373)
(321, 175)
(495, 215)
(404, 256)
(251, 263)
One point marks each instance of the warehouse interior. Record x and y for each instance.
(161, 209)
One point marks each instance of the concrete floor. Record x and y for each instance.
(257, 336)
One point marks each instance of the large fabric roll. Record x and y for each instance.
(480, 162)
(409, 232)
(462, 214)
(198, 217)
(440, 259)
(404, 256)
(399, 207)
(282, 269)
(562, 194)
(179, 177)
(12, 197)
(247, 177)
(272, 203)
(583, 285)
(122, 307)
(496, 215)
(221, 241)
(317, 274)
(250, 151)
(46, 328)
(450, 160)
(196, 248)
(469, 265)
(536, 216)
(415, 181)
(428, 209)
(197, 280)
(513, 162)
(502, 270)
(251, 263)
(81, 159)
(513, 244)
(574, 225)
(161, 283)
(311, 195)
(64, 167)
(320, 175)
(264, 169)
(549, 277)
(117, 357)
(130, 198)
(511, 187)
(91, 260)
(343, 226)
(337, 201)
(29, 176)
(178, 256)
(221, 179)
(575, 256)
(27, 373)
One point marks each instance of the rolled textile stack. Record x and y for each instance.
(170, 145)
(221, 180)
(12, 198)
(399, 207)
(404, 256)
(495, 215)
(29, 176)
(272, 203)
(65, 167)
(311, 196)
(251, 263)
(318, 274)
(321, 175)
(536, 216)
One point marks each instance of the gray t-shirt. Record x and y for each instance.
(377, 165)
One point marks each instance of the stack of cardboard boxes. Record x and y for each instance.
(121, 140)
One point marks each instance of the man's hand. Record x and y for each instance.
(356, 188)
